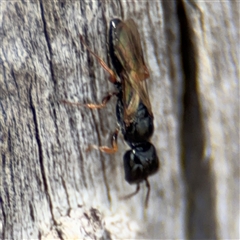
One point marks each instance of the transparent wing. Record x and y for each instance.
(128, 50)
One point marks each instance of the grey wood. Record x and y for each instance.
(52, 188)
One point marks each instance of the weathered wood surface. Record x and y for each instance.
(52, 188)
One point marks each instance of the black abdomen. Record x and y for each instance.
(140, 129)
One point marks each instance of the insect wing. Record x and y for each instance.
(128, 50)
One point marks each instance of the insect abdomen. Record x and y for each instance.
(140, 129)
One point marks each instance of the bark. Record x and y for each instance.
(52, 188)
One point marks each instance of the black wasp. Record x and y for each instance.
(133, 109)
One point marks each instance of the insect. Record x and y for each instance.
(133, 108)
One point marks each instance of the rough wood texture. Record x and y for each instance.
(52, 188)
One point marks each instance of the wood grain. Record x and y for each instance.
(52, 188)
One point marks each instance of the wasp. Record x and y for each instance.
(133, 108)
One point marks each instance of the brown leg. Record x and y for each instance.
(112, 77)
(106, 149)
(105, 100)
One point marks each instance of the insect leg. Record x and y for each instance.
(105, 100)
(132, 194)
(112, 77)
(107, 149)
(148, 193)
(137, 190)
